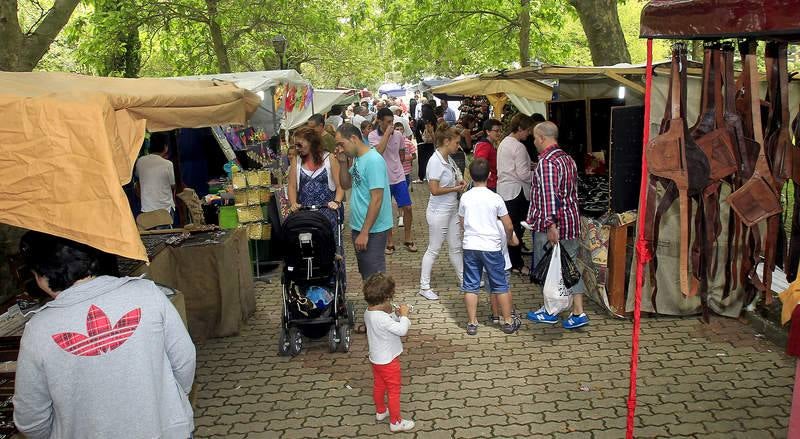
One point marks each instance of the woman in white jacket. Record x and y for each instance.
(445, 183)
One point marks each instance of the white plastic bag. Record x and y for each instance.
(557, 297)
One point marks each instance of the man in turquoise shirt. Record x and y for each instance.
(363, 169)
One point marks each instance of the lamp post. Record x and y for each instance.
(279, 43)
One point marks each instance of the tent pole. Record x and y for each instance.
(643, 254)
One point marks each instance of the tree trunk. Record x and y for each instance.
(525, 33)
(21, 52)
(600, 22)
(220, 50)
(10, 35)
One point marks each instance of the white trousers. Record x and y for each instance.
(442, 224)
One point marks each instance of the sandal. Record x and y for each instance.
(410, 246)
(389, 250)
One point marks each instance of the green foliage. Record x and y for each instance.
(334, 43)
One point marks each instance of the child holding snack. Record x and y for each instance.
(384, 329)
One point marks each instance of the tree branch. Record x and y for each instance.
(37, 43)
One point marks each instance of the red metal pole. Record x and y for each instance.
(643, 254)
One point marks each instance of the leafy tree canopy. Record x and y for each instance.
(335, 43)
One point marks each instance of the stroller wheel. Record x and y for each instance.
(295, 341)
(333, 342)
(284, 344)
(345, 336)
(351, 313)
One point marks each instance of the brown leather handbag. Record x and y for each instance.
(675, 157)
(758, 199)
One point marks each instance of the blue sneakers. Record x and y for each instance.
(573, 321)
(541, 316)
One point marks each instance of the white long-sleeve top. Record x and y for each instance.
(513, 169)
(383, 334)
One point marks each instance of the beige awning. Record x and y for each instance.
(69, 142)
(478, 86)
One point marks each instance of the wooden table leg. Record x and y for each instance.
(617, 256)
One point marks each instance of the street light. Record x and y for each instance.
(279, 43)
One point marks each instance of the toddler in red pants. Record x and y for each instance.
(384, 329)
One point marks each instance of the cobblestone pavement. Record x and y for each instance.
(712, 381)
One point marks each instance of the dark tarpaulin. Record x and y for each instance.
(711, 19)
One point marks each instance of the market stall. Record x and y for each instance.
(732, 160)
(69, 145)
(50, 157)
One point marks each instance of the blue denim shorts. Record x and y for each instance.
(494, 263)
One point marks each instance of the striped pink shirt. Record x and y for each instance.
(554, 194)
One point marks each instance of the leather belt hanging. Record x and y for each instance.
(675, 159)
(712, 136)
(757, 200)
(746, 153)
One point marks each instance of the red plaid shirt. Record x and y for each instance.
(554, 194)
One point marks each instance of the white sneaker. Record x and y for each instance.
(429, 294)
(526, 225)
(403, 425)
(400, 221)
(381, 416)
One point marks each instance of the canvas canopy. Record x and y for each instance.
(476, 85)
(69, 142)
(324, 100)
(264, 83)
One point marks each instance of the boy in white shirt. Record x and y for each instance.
(479, 210)
(384, 329)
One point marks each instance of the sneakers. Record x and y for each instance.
(495, 320)
(429, 294)
(510, 328)
(403, 425)
(382, 416)
(526, 225)
(541, 316)
(573, 321)
(472, 329)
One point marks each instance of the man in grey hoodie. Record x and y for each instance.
(108, 357)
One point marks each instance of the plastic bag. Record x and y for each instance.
(556, 295)
(569, 270)
(539, 272)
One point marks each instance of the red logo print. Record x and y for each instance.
(102, 337)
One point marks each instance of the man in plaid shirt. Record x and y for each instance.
(553, 214)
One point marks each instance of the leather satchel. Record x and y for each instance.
(675, 157)
(758, 199)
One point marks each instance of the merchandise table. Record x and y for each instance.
(212, 270)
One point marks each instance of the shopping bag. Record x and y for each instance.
(539, 272)
(569, 271)
(556, 295)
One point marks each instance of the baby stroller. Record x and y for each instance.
(314, 283)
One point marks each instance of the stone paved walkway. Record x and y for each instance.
(710, 381)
